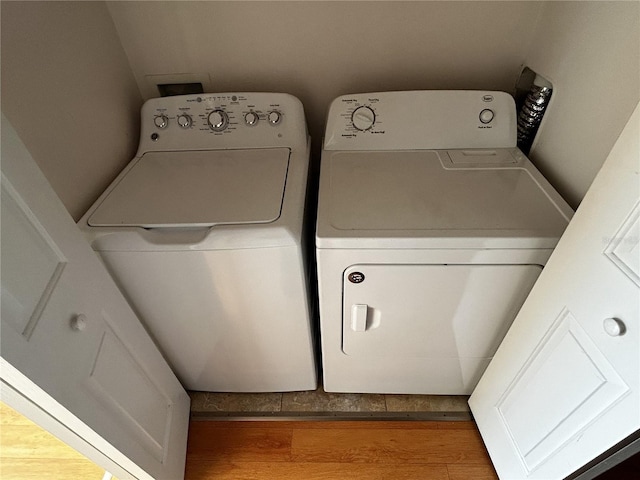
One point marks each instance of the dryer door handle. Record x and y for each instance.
(359, 317)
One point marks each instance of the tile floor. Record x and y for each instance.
(319, 403)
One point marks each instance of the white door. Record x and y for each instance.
(70, 342)
(564, 385)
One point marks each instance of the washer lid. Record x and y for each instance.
(371, 198)
(197, 189)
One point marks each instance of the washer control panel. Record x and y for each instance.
(436, 119)
(222, 120)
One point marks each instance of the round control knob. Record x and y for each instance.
(363, 118)
(218, 120)
(274, 117)
(184, 120)
(614, 327)
(161, 121)
(486, 115)
(251, 118)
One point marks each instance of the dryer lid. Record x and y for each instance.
(197, 189)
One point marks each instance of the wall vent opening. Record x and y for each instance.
(170, 89)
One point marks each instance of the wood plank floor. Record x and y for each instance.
(336, 450)
(29, 452)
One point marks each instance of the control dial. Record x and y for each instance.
(161, 121)
(218, 120)
(184, 120)
(251, 118)
(274, 117)
(486, 115)
(363, 118)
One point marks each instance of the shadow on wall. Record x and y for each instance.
(318, 51)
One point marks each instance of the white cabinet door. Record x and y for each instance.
(564, 385)
(66, 327)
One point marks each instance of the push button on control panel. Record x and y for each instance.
(486, 115)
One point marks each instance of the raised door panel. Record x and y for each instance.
(122, 385)
(624, 247)
(28, 249)
(583, 385)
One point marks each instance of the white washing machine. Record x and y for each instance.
(432, 229)
(203, 232)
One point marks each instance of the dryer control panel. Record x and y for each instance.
(222, 120)
(431, 119)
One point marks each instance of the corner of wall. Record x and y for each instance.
(590, 51)
(69, 92)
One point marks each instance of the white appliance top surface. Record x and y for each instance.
(196, 189)
(435, 192)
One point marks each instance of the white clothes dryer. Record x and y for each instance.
(432, 228)
(203, 232)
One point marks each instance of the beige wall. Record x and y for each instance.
(591, 53)
(69, 70)
(319, 50)
(68, 90)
